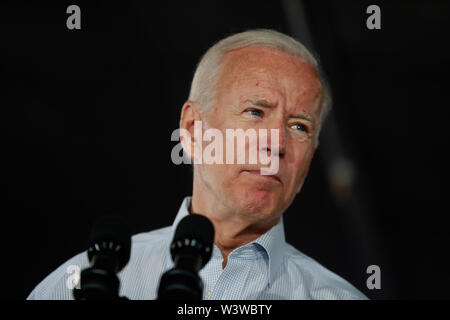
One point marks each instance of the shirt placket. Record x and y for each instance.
(211, 273)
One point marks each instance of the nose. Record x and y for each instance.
(276, 139)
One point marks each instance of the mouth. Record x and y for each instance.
(273, 177)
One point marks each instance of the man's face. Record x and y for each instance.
(264, 88)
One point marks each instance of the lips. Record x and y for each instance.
(258, 173)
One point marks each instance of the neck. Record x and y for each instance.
(232, 229)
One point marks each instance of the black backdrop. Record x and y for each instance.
(86, 118)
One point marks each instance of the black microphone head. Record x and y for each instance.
(111, 234)
(194, 231)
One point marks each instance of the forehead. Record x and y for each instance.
(263, 71)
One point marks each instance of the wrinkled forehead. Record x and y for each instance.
(259, 68)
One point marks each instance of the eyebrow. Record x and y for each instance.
(261, 103)
(266, 104)
(304, 116)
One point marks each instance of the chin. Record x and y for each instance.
(259, 203)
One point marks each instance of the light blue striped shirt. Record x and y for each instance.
(267, 268)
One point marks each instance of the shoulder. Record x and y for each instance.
(159, 235)
(150, 243)
(316, 281)
(58, 285)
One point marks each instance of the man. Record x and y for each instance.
(259, 79)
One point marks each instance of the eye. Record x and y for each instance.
(300, 127)
(254, 112)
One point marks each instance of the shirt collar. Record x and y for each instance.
(272, 241)
(182, 212)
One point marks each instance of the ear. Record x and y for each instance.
(189, 114)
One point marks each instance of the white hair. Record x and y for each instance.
(204, 83)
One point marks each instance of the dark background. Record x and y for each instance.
(86, 118)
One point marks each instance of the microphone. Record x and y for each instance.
(191, 249)
(108, 253)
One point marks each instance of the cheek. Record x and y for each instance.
(220, 177)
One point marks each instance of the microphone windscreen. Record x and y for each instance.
(113, 229)
(195, 226)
